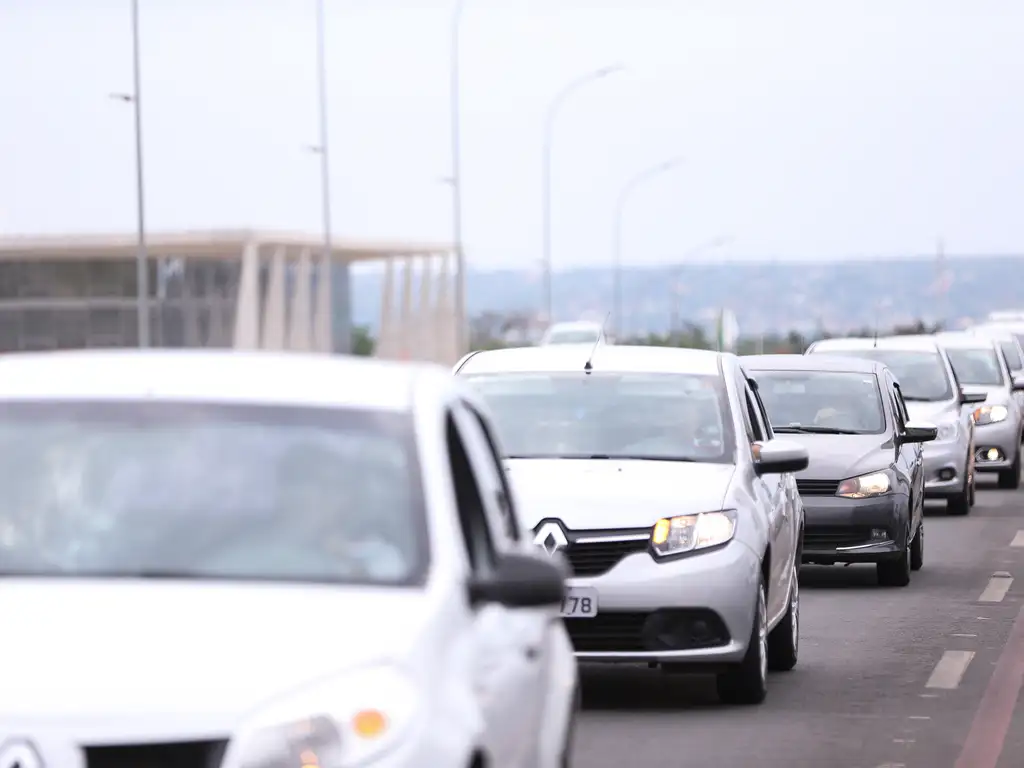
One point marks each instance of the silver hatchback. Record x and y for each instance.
(655, 470)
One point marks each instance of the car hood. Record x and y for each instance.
(994, 395)
(936, 413)
(603, 493)
(835, 457)
(120, 660)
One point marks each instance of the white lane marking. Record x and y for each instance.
(919, 717)
(950, 670)
(928, 695)
(1018, 540)
(996, 590)
(962, 634)
(893, 765)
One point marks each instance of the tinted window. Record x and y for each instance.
(572, 337)
(1020, 338)
(922, 374)
(976, 367)
(849, 402)
(210, 491)
(1013, 360)
(637, 416)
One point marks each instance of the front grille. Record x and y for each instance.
(186, 754)
(817, 487)
(597, 557)
(664, 630)
(833, 536)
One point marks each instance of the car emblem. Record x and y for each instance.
(550, 537)
(19, 754)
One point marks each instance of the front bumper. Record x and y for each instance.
(1004, 436)
(838, 530)
(648, 610)
(945, 469)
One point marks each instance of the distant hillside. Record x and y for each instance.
(765, 296)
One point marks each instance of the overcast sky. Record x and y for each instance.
(808, 128)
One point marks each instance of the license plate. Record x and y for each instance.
(580, 603)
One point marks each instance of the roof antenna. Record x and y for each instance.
(874, 342)
(588, 366)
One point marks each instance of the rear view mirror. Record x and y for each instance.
(1018, 383)
(778, 456)
(521, 581)
(919, 432)
(970, 398)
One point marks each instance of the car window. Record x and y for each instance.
(901, 403)
(476, 531)
(610, 415)
(753, 416)
(976, 367)
(491, 474)
(762, 412)
(846, 401)
(1012, 354)
(572, 337)
(922, 373)
(209, 491)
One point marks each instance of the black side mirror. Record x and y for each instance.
(521, 581)
(970, 398)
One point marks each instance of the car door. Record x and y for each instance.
(793, 511)
(908, 461)
(527, 629)
(770, 494)
(502, 664)
(917, 452)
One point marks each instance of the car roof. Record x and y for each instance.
(959, 340)
(907, 342)
(268, 378)
(816, 362)
(1000, 332)
(608, 358)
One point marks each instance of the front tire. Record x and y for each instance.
(747, 682)
(896, 573)
(1009, 479)
(784, 640)
(961, 502)
(917, 549)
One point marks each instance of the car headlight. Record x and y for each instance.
(689, 533)
(873, 484)
(990, 414)
(345, 721)
(948, 432)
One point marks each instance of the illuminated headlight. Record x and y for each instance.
(690, 533)
(990, 414)
(948, 432)
(864, 486)
(344, 722)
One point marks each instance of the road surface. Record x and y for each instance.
(927, 676)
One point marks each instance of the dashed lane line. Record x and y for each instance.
(950, 670)
(997, 588)
(1018, 540)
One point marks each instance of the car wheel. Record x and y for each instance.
(896, 573)
(784, 640)
(961, 502)
(973, 496)
(917, 549)
(747, 682)
(1009, 479)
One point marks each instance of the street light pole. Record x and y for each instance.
(620, 207)
(456, 179)
(141, 255)
(552, 113)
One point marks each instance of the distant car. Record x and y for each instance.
(1010, 345)
(257, 559)
(932, 393)
(656, 471)
(1007, 321)
(863, 491)
(981, 367)
(575, 333)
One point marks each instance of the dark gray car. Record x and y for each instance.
(863, 490)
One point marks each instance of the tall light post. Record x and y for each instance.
(714, 244)
(141, 256)
(563, 96)
(456, 178)
(620, 208)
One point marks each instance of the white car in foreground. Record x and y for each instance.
(234, 560)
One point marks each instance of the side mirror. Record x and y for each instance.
(778, 456)
(521, 581)
(919, 432)
(970, 398)
(1018, 383)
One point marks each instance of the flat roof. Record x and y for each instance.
(221, 376)
(558, 358)
(822, 362)
(200, 244)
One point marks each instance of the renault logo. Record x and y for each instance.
(19, 754)
(550, 537)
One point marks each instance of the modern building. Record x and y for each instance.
(228, 289)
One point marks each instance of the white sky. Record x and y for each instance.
(809, 128)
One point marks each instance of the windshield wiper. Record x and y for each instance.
(912, 399)
(814, 429)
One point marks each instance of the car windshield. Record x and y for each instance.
(183, 490)
(922, 374)
(572, 337)
(976, 367)
(844, 402)
(675, 417)
(1013, 359)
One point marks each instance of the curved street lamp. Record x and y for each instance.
(555, 107)
(456, 177)
(620, 207)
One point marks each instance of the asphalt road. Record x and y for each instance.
(927, 676)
